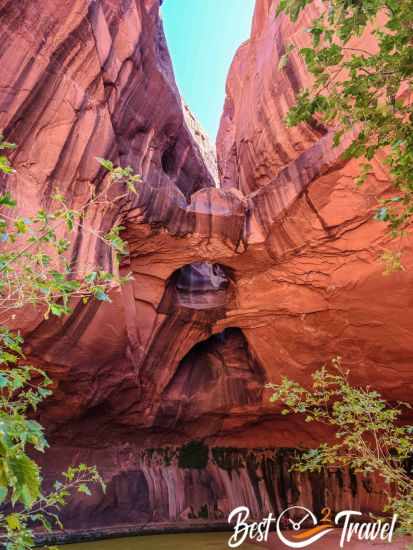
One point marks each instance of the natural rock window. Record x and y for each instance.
(200, 285)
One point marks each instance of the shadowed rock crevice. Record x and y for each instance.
(168, 160)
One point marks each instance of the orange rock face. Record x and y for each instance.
(319, 285)
(273, 273)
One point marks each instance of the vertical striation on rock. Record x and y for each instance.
(171, 487)
(253, 142)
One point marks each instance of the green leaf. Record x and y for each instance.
(83, 488)
(13, 521)
(57, 310)
(107, 164)
(20, 225)
(6, 200)
(90, 277)
(6, 144)
(27, 475)
(69, 217)
(5, 166)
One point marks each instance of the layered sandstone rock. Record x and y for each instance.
(272, 273)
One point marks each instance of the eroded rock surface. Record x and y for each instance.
(196, 485)
(272, 273)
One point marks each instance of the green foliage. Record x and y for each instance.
(366, 91)
(5, 166)
(17, 526)
(36, 269)
(193, 455)
(35, 261)
(369, 435)
(22, 389)
(125, 175)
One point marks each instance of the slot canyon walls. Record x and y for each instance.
(272, 272)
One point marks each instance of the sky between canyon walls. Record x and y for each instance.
(203, 36)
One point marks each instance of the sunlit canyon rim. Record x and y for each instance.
(272, 271)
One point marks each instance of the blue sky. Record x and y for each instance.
(203, 36)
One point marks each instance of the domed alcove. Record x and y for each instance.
(217, 374)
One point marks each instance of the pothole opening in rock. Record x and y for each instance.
(198, 286)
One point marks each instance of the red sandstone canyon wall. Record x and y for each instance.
(273, 272)
(319, 289)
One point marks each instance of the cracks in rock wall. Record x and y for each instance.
(310, 203)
